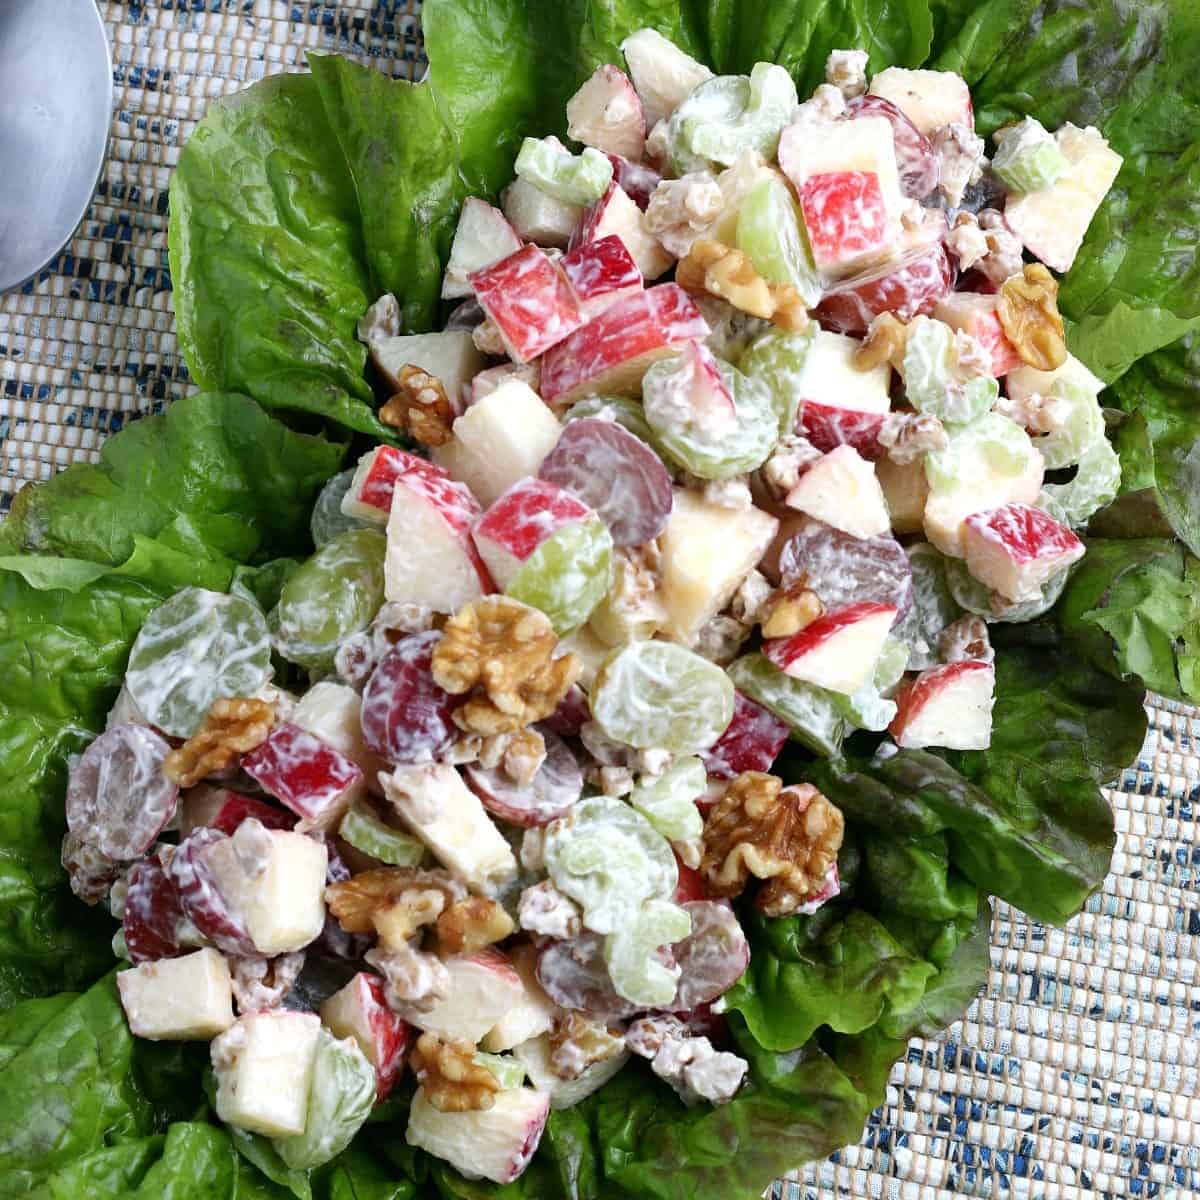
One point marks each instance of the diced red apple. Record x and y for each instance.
(486, 382)
(483, 237)
(828, 426)
(359, 1011)
(976, 314)
(948, 706)
(203, 900)
(333, 712)
(529, 299)
(606, 113)
(178, 999)
(751, 742)
(494, 1143)
(909, 287)
(610, 354)
(305, 774)
(696, 389)
(220, 808)
(531, 1016)
(483, 989)
(929, 99)
(846, 219)
(430, 557)
(663, 75)
(838, 650)
(520, 521)
(369, 496)
(450, 355)
(601, 273)
(839, 402)
(500, 439)
(905, 491)
(615, 213)
(841, 489)
(1014, 550)
(635, 178)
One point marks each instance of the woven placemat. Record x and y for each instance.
(1075, 1073)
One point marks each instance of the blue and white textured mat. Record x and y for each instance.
(1074, 1076)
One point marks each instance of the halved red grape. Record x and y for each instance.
(712, 957)
(571, 715)
(614, 473)
(916, 161)
(557, 785)
(406, 716)
(154, 912)
(118, 798)
(908, 288)
(843, 569)
(752, 741)
(201, 898)
(573, 974)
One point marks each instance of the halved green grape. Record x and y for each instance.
(567, 575)
(1027, 157)
(713, 455)
(657, 694)
(871, 706)
(1096, 483)
(933, 381)
(976, 597)
(1082, 426)
(194, 648)
(366, 832)
(609, 859)
(328, 520)
(777, 360)
(571, 178)
(637, 973)
(332, 595)
(509, 1071)
(991, 442)
(668, 801)
(770, 231)
(621, 409)
(933, 606)
(809, 711)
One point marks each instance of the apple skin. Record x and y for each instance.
(910, 287)
(948, 706)
(828, 426)
(1015, 549)
(807, 654)
(601, 273)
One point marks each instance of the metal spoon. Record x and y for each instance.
(55, 111)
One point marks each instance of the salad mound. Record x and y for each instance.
(709, 621)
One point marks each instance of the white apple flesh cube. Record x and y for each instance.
(601, 273)
(223, 809)
(500, 439)
(529, 299)
(1014, 550)
(436, 805)
(838, 650)
(1023, 381)
(977, 315)
(264, 1065)
(520, 521)
(1051, 222)
(592, 652)
(929, 99)
(948, 706)
(487, 381)
(450, 355)
(483, 237)
(178, 999)
(531, 1016)
(535, 1056)
(274, 881)
(539, 218)
(662, 74)
(707, 550)
(905, 491)
(483, 989)
(840, 402)
(616, 214)
(359, 1011)
(495, 1143)
(306, 775)
(841, 489)
(609, 355)
(333, 712)
(430, 557)
(606, 113)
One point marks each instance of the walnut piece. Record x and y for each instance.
(720, 639)
(381, 320)
(846, 70)
(414, 981)
(394, 902)
(91, 872)
(886, 341)
(966, 640)
(967, 241)
(753, 592)
(681, 209)
(231, 728)
(421, 407)
(452, 1079)
(1003, 258)
(524, 753)
(471, 924)
(545, 911)
(960, 152)
(502, 652)
(577, 1041)
(487, 339)
(261, 983)
(1028, 310)
(787, 836)
(908, 435)
(789, 610)
(1035, 412)
(711, 266)
(792, 456)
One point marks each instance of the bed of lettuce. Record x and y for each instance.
(298, 202)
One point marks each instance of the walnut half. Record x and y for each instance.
(720, 270)
(471, 924)
(394, 902)
(789, 837)
(231, 728)
(452, 1079)
(1028, 310)
(421, 407)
